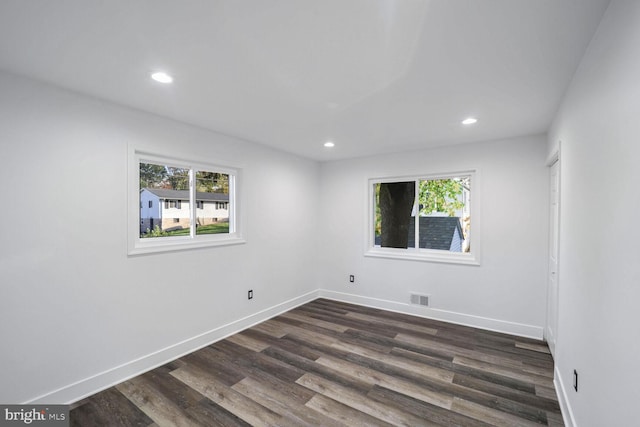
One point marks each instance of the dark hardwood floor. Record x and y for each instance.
(329, 363)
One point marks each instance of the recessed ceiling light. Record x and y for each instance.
(162, 77)
(469, 121)
(329, 144)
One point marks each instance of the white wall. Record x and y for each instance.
(73, 305)
(599, 320)
(507, 292)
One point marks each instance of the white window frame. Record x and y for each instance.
(417, 253)
(137, 245)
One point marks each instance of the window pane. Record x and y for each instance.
(442, 209)
(377, 217)
(162, 189)
(444, 214)
(425, 218)
(212, 196)
(394, 205)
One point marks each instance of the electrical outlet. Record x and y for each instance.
(575, 380)
(352, 278)
(250, 294)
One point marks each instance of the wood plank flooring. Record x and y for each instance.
(329, 363)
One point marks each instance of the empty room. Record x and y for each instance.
(305, 212)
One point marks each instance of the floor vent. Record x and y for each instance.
(417, 299)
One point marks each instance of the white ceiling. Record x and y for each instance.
(374, 76)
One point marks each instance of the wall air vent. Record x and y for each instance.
(417, 299)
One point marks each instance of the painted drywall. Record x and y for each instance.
(598, 329)
(506, 292)
(73, 304)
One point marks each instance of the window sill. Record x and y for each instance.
(151, 245)
(424, 255)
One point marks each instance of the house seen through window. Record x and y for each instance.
(176, 204)
(167, 192)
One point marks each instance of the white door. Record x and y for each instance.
(554, 220)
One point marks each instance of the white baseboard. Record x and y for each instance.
(88, 386)
(495, 325)
(103, 380)
(563, 399)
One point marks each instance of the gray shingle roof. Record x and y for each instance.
(436, 232)
(184, 195)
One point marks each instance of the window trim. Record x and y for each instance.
(139, 246)
(419, 254)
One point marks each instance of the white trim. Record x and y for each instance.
(169, 244)
(96, 383)
(79, 390)
(554, 156)
(412, 254)
(427, 255)
(138, 246)
(496, 325)
(563, 399)
(552, 340)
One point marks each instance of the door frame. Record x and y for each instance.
(552, 338)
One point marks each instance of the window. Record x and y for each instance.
(173, 204)
(186, 193)
(425, 218)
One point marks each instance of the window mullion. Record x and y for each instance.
(192, 203)
(231, 205)
(416, 222)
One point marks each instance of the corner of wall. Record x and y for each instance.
(563, 399)
(88, 386)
